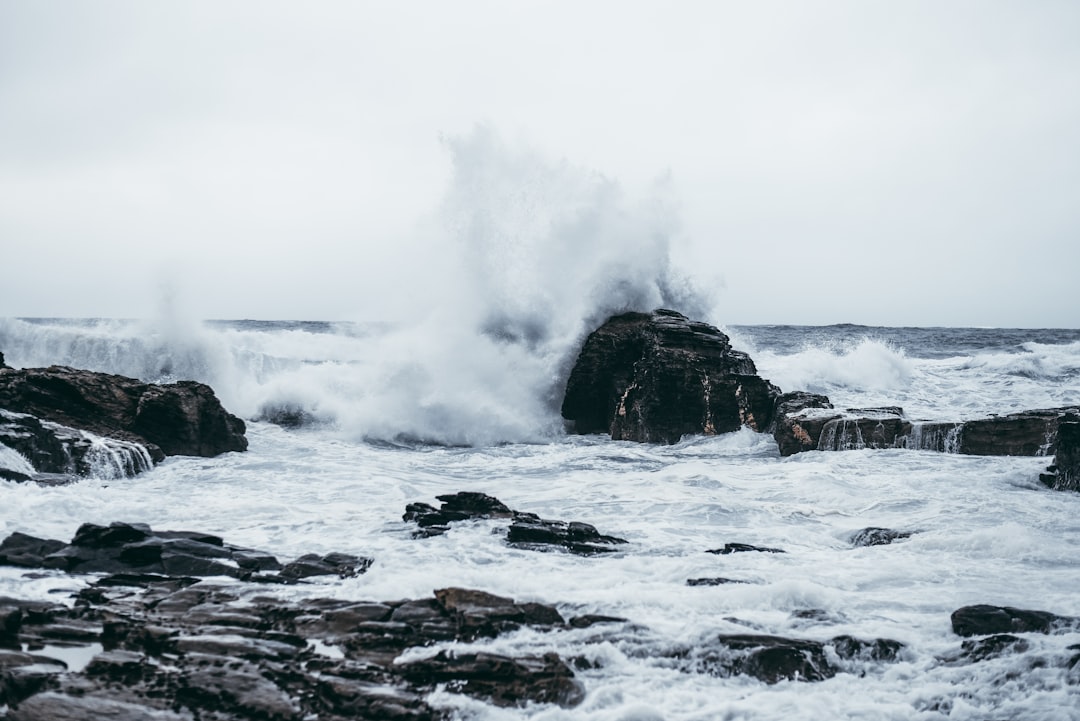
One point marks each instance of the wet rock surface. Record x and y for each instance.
(808, 421)
(984, 620)
(873, 536)
(134, 549)
(526, 530)
(773, 659)
(183, 418)
(729, 548)
(209, 651)
(1064, 474)
(655, 377)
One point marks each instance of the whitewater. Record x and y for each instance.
(466, 398)
(985, 530)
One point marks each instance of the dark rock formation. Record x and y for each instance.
(877, 536)
(742, 548)
(985, 620)
(1029, 433)
(530, 531)
(807, 422)
(135, 550)
(773, 658)
(981, 649)
(1064, 474)
(799, 419)
(655, 377)
(183, 418)
(3, 365)
(526, 530)
(56, 449)
(183, 651)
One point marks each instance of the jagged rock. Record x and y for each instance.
(201, 652)
(1065, 472)
(983, 620)
(742, 548)
(981, 649)
(877, 536)
(134, 550)
(52, 448)
(799, 420)
(527, 530)
(3, 365)
(880, 649)
(530, 531)
(183, 418)
(655, 377)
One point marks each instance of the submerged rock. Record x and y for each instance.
(655, 377)
(742, 548)
(183, 418)
(877, 537)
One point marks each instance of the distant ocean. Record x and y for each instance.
(400, 414)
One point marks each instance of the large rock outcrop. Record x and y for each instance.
(183, 418)
(655, 377)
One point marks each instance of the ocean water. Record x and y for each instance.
(402, 414)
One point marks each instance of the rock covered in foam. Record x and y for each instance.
(183, 418)
(655, 377)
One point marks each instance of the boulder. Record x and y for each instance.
(182, 418)
(984, 620)
(1064, 474)
(655, 377)
(742, 548)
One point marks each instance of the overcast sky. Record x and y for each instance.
(886, 163)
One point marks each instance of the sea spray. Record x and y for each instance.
(531, 255)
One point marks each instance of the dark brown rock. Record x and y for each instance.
(655, 377)
(182, 418)
(799, 420)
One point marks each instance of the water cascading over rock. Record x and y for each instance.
(655, 377)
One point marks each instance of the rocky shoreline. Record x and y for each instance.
(182, 625)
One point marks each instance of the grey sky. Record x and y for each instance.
(873, 162)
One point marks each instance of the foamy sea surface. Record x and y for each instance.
(985, 530)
